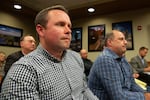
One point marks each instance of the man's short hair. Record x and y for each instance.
(142, 48)
(41, 17)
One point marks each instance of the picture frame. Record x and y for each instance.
(126, 28)
(10, 36)
(76, 42)
(96, 35)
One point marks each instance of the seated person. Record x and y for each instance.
(87, 62)
(27, 44)
(111, 77)
(2, 63)
(141, 66)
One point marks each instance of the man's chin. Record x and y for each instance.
(66, 47)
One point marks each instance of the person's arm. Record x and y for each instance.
(136, 66)
(10, 60)
(20, 83)
(147, 69)
(114, 83)
(135, 87)
(87, 93)
(135, 75)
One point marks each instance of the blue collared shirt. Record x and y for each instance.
(111, 78)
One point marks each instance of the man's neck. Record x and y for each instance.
(24, 52)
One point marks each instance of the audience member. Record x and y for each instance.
(2, 63)
(87, 62)
(111, 77)
(140, 65)
(52, 71)
(27, 44)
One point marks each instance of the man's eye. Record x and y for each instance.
(121, 39)
(60, 24)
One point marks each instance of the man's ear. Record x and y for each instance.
(21, 43)
(40, 29)
(109, 42)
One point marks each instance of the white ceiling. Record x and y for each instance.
(69, 4)
(77, 8)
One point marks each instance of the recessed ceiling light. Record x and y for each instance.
(91, 10)
(16, 6)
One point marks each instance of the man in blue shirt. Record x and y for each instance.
(111, 76)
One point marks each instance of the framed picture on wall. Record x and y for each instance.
(126, 28)
(76, 42)
(96, 35)
(10, 36)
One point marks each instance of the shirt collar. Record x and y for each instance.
(140, 57)
(110, 53)
(44, 52)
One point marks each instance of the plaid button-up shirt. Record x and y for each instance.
(111, 78)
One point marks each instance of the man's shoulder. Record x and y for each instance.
(31, 58)
(74, 56)
(15, 53)
(135, 58)
(73, 53)
(104, 59)
(89, 60)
